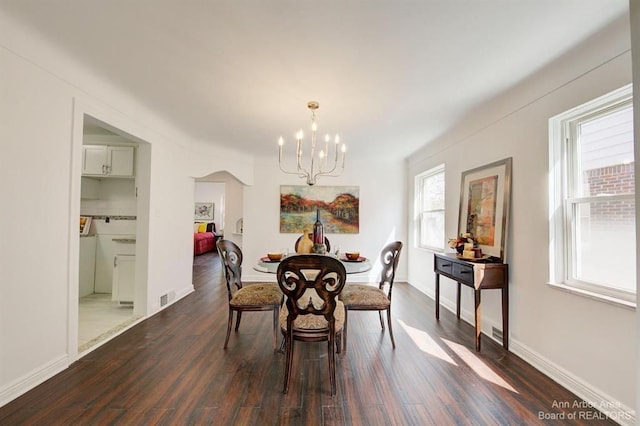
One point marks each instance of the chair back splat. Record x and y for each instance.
(389, 257)
(231, 258)
(312, 312)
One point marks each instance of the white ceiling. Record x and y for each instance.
(389, 75)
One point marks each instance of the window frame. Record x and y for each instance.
(420, 182)
(563, 199)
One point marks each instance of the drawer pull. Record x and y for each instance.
(465, 272)
(445, 265)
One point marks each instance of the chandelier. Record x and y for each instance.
(317, 164)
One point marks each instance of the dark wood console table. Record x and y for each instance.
(478, 276)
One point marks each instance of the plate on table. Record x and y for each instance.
(359, 259)
(267, 260)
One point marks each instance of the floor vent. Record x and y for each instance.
(497, 334)
(164, 299)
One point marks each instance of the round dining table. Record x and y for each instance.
(351, 266)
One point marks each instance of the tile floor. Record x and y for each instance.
(99, 318)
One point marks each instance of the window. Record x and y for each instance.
(429, 202)
(592, 198)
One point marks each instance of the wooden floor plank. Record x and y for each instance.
(172, 369)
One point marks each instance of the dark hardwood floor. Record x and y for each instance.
(172, 370)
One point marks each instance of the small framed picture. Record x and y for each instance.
(203, 211)
(85, 225)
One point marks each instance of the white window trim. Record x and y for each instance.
(559, 256)
(418, 203)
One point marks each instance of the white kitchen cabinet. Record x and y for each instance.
(124, 277)
(87, 265)
(108, 160)
(104, 263)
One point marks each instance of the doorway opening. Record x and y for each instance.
(111, 277)
(225, 192)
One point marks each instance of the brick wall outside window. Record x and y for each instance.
(617, 179)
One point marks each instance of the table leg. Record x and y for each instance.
(478, 318)
(505, 316)
(437, 296)
(458, 302)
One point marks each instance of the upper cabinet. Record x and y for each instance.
(108, 160)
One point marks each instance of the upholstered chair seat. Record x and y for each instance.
(264, 294)
(364, 295)
(312, 322)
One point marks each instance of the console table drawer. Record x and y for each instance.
(463, 273)
(444, 265)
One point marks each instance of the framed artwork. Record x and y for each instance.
(485, 197)
(203, 211)
(85, 225)
(339, 208)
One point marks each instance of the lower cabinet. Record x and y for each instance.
(124, 275)
(87, 265)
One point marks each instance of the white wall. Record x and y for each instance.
(115, 196)
(44, 97)
(212, 192)
(587, 345)
(382, 213)
(234, 209)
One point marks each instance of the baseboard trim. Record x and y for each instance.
(593, 397)
(36, 377)
(33, 379)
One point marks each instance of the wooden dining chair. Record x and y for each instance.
(326, 243)
(250, 297)
(312, 312)
(372, 297)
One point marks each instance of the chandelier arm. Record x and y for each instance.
(329, 173)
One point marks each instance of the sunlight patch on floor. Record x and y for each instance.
(426, 343)
(479, 367)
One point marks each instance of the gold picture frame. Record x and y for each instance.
(485, 199)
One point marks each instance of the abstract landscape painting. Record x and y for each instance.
(339, 208)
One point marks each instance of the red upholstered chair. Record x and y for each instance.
(312, 311)
(374, 297)
(252, 297)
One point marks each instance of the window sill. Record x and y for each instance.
(596, 296)
(431, 249)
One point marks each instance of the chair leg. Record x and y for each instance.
(276, 312)
(393, 341)
(289, 360)
(226, 341)
(332, 365)
(344, 329)
(381, 321)
(338, 343)
(238, 318)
